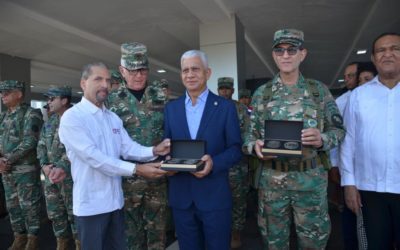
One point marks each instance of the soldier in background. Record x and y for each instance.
(19, 132)
(116, 79)
(245, 99)
(140, 106)
(57, 169)
(294, 188)
(165, 88)
(238, 174)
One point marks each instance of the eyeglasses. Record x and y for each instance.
(281, 51)
(135, 72)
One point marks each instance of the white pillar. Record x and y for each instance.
(223, 42)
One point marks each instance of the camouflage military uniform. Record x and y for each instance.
(19, 132)
(238, 177)
(58, 196)
(298, 191)
(145, 200)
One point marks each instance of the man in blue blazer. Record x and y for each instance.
(201, 202)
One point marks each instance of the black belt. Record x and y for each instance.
(292, 165)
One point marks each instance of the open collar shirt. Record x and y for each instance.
(369, 155)
(95, 142)
(195, 112)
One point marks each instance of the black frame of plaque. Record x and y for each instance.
(185, 156)
(283, 138)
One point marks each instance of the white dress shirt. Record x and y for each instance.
(370, 153)
(95, 140)
(341, 102)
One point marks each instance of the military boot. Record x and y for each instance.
(62, 243)
(19, 242)
(33, 243)
(77, 245)
(235, 241)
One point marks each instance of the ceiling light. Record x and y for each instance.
(361, 51)
(79, 92)
(32, 86)
(341, 80)
(161, 71)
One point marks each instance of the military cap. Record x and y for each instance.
(11, 84)
(134, 56)
(290, 36)
(116, 76)
(244, 93)
(225, 82)
(58, 91)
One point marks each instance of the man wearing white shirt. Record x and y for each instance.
(96, 141)
(370, 158)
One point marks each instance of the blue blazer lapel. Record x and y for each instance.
(209, 110)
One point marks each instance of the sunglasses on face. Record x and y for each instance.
(281, 51)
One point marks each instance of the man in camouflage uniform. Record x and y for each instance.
(245, 97)
(140, 106)
(116, 79)
(19, 132)
(57, 169)
(294, 187)
(238, 174)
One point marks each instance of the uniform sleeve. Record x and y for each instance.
(333, 129)
(63, 161)
(255, 128)
(42, 148)
(31, 130)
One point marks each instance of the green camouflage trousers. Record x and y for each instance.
(301, 196)
(23, 194)
(145, 213)
(59, 206)
(238, 178)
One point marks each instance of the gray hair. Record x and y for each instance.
(196, 53)
(87, 69)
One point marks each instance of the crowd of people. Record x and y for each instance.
(104, 187)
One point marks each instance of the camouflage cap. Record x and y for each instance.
(225, 82)
(244, 93)
(116, 76)
(58, 91)
(290, 36)
(12, 84)
(134, 56)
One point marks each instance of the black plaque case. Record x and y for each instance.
(185, 156)
(283, 138)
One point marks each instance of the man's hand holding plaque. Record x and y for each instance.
(258, 149)
(207, 168)
(311, 137)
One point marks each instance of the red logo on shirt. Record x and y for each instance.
(116, 130)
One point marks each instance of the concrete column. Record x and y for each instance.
(224, 44)
(16, 68)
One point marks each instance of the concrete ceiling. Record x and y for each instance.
(59, 37)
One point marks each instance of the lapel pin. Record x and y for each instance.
(215, 103)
